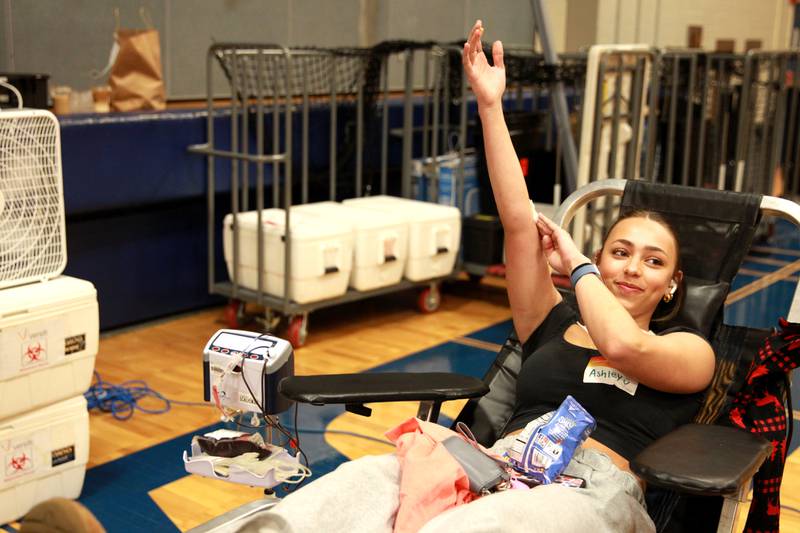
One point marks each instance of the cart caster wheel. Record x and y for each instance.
(429, 300)
(234, 314)
(297, 332)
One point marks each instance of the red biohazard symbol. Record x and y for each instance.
(34, 352)
(20, 463)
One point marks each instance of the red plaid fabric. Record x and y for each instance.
(758, 408)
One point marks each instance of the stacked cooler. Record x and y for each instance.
(363, 243)
(434, 233)
(48, 325)
(322, 254)
(380, 242)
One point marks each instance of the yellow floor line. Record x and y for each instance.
(763, 282)
(475, 343)
(779, 251)
(760, 273)
(766, 260)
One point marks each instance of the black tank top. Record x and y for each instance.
(629, 416)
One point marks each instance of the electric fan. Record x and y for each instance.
(32, 235)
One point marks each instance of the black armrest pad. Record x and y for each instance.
(704, 460)
(381, 387)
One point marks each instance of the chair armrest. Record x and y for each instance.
(381, 387)
(700, 459)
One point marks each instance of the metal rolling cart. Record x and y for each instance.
(736, 116)
(448, 108)
(273, 92)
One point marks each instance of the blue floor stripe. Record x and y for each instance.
(496, 334)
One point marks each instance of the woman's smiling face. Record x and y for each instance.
(638, 264)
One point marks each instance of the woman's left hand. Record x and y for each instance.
(558, 246)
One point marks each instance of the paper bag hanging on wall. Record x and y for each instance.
(136, 77)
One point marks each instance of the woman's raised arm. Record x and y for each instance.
(530, 289)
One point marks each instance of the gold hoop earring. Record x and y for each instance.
(668, 298)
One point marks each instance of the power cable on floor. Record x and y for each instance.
(123, 399)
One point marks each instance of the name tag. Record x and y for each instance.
(599, 371)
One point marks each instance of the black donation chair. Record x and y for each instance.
(706, 462)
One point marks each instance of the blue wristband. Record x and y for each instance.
(582, 270)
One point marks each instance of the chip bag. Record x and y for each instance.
(545, 447)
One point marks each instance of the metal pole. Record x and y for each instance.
(462, 143)
(598, 121)
(408, 117)
(558, 95)
(287, 190)
(701, 136)
(742, 137)
(723, 153)
(612, 157)
(235, 171)
(426, 106)
(276, 133)
(260, 172)
(779, 120)
(637, 94)
(332, 169)
(652, 119)
(359, 134)
(245, 149)
(305, 128)
(211, 181)
(385, 125)
(673, 118)
(687, 138)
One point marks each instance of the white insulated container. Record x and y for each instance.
(434, 233)
(44, 454)
(322, 254)
(48, 343)
(380, 242)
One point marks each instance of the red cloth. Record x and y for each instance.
(758, 408)
(431, 481)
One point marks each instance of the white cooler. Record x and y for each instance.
(322, 254)
(48, 343)
(381, 242)
(44, 455)
(434, 233)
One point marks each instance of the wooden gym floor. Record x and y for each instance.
(136, 480)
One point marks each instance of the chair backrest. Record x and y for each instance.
(715, 229)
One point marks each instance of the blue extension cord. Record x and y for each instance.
(123, 399)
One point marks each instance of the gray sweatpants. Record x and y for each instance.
(362, 495)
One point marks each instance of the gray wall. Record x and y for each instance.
(69, 38)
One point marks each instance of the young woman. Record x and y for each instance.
(637, 385)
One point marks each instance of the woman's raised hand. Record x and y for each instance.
(487, 82)
(558, 246)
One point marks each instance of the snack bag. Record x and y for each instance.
(544, 448)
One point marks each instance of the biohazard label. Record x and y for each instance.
(74, 344)
(19, 460)
(33, 349)
(62, 455)
(28, 347)
(599, 371)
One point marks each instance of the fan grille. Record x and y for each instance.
(32, 240)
